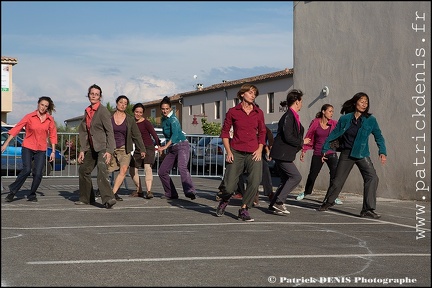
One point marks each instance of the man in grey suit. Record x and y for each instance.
(97, 145)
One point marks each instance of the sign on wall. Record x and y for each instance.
(4, 78)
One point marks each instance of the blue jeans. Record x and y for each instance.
(28, 156)
(370, 179)
(181, 153)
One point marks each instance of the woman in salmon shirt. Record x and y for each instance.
(39, 125)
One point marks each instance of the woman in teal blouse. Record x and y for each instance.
(177, 150)
(352, 132)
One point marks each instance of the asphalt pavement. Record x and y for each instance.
(181, 242)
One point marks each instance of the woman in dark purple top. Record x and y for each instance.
(147, 132)
(126, 134)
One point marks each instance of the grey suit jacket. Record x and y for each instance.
(101, 132)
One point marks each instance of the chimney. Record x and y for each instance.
(199, 86)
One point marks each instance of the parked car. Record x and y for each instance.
(214, 156)
(198, 151)
(162, 140)
(11, 157)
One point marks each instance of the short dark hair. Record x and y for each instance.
(138, 105)
(95, 87)
(122, 97)
(246, 87)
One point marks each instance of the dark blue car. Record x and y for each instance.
(11, 161)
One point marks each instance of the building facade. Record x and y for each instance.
(7, 64)
(213, 102)
(383, 49)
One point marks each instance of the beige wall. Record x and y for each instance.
(6, 97)
(278, 86)
(371, 47)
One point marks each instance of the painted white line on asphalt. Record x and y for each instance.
(191, 224)
(241, 258)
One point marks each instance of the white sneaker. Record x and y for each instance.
(300, 196)
(281, 208)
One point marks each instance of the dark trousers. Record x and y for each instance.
(315, 168)
(181, 153)
(370, 179)
(91, 160)
(290, 178)
(266, 178)
(243, 163)
(240, 185)
(28, 156)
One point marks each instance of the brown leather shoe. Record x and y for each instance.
(136, 194)
(149, 195)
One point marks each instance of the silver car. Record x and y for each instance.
(198, 151)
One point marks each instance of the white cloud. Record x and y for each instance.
(141, 67)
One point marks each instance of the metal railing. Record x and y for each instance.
(203, 165)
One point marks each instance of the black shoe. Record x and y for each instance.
(324, 206)
(32, 199)
(191, 195)
(10, 197)
(370, 214)
(110, 203)
(118, 198)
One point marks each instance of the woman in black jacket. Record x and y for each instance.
(288, 141)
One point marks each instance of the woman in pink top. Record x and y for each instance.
(318, 131)
(39, 125)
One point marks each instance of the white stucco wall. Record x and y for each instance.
(371, 47)
(279, 87)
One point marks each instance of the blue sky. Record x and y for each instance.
(144, 50)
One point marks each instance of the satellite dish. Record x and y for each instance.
(195, 76)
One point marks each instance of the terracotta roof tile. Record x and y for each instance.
(227, 84)
(239, 82)
(8, 60)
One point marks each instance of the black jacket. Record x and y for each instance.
(289, 139)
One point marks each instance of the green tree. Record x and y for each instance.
(211, 128)
(153, 121)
